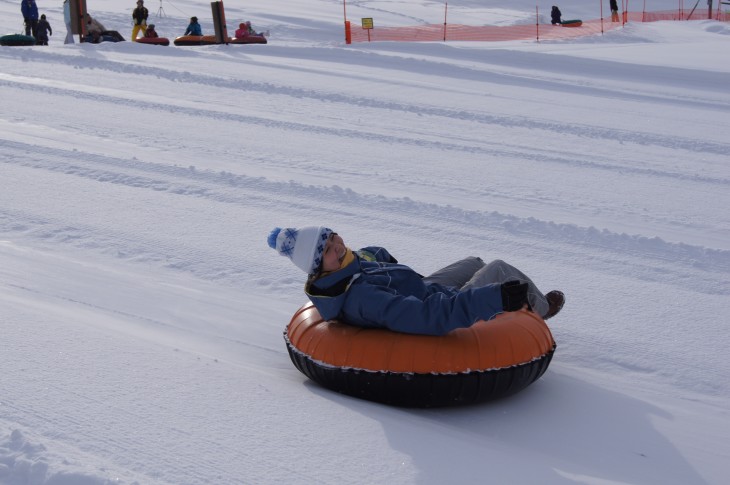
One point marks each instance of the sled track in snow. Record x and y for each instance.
(441, 115)
(479, 147)
(632, 253)
(707, 266)
(150, 432)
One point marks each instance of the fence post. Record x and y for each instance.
(348, 33)
(601, 8)
(446, 9)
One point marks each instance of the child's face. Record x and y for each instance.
(333, 253)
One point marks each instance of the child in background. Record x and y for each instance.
(150, 32)
(242, 32)
(43, 31)
(194, 27)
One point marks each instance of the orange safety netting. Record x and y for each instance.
(456, 32)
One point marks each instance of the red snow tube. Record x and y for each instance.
(487, 361)
(251, 39)
(154, 40)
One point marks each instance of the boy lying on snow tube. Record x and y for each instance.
(368, 288)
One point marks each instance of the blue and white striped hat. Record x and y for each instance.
(304, 246)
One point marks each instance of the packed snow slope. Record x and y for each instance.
(141, 311)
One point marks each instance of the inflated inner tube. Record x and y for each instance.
(251, 39)
(17, 40)
(487, 361)
(571, 23)
(211, 40)
(153, 40)
(195, 40)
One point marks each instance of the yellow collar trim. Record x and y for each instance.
(348, 258)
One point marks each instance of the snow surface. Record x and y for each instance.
(141, 311)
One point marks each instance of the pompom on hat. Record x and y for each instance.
(304, 246)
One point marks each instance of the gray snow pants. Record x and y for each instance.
(472, 272)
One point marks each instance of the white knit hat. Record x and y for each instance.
(304, 246)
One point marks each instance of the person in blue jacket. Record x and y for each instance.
(194, 27)
(369, 288)
(29, 10)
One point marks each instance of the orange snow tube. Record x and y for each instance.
(489, 360)
(195, 40)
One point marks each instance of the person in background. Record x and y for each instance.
(194, 27)
(94, 29)
(150, 32)
(30, 16)
(67, 21)
(44, 30)
(253, 32)
(614, 10)
(139, 17)
(96, 32)
(555, 15)
(368, 288)
(250, 29)
(243, 31)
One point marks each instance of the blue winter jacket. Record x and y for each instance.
(194, 29)
(375, 291)
(29, 9)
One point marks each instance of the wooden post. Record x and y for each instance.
(78, 18)
(219, 22)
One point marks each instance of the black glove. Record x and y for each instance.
(514, 296)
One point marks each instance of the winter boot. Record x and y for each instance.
(556, 300)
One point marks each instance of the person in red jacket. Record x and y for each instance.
(242, 32)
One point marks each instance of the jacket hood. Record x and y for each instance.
(328, 292)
